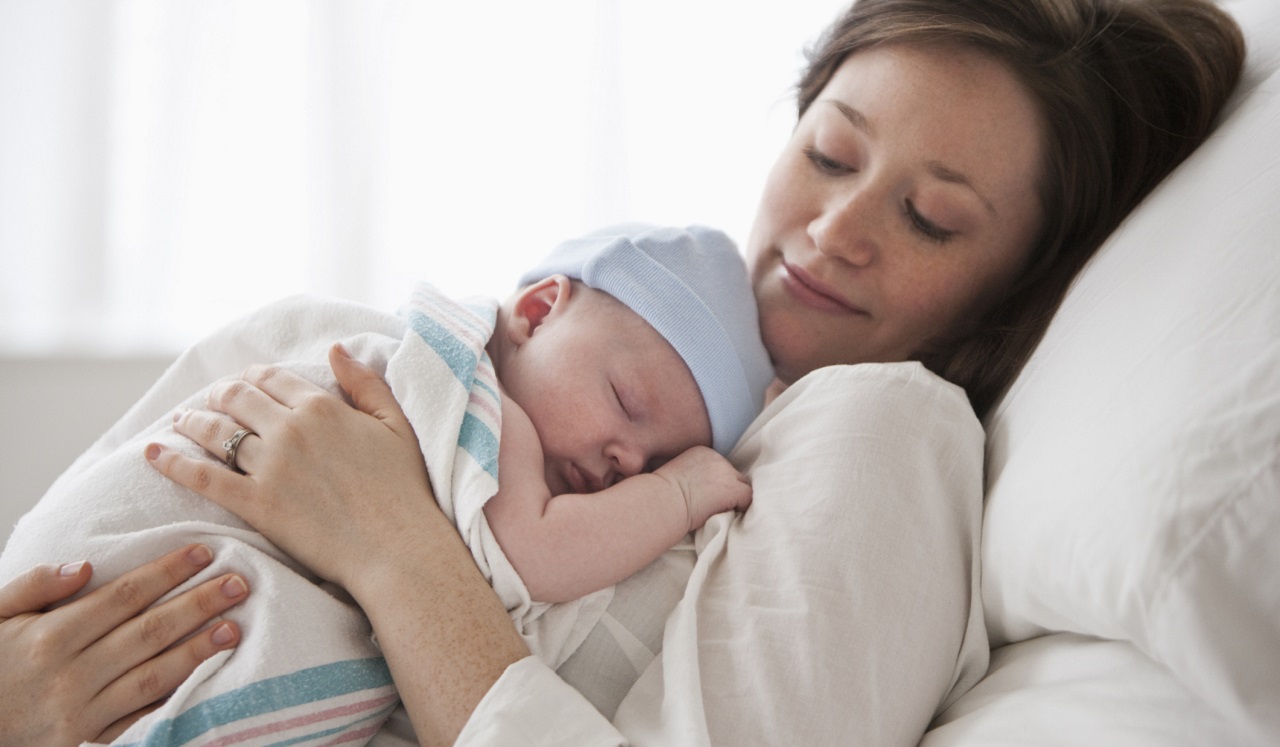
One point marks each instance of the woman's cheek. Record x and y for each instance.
(781, 337)
(938, 305)
(798, 343)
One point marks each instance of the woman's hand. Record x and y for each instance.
(326, 482)
(87, 670)
(345, 492)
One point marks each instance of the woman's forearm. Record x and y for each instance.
(445, 635)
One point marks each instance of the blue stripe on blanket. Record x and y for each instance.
(274, 694)
(485, 387)
(480, 443)
(456, 354)
(475, 437)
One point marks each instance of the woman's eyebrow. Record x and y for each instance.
(937, 168)
(855, 117)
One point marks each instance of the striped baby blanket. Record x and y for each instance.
(307, 671)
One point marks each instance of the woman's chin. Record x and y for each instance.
(792, 367)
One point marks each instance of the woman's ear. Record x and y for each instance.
(537, 303)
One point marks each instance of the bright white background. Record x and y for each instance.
(166, 165)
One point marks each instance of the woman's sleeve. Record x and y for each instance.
(531, 705)
(841, 608)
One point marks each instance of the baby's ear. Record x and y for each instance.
(535, 304)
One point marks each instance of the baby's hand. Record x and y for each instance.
(709, 484)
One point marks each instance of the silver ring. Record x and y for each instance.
(232, 445)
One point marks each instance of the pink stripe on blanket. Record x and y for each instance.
(486, 405)
(459, 322)
(486, 375)
(310, 718)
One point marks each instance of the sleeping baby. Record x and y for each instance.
(598, 401)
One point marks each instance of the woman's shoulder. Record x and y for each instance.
(886, 412)
(894, 391)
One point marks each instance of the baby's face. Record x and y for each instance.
(608, 396)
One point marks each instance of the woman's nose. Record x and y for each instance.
(844, 229)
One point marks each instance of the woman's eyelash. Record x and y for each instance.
(925, 227)
(919, 223)
(824, 163)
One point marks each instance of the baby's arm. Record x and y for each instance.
(567, 546)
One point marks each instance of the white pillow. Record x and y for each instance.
(1066, 690)
(1134, 466)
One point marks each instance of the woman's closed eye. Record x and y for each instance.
(826, 164)
(925, 227)
(918, 222)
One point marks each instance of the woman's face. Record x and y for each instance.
(904, 205)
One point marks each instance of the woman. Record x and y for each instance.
(954, 164)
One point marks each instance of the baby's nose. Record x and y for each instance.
(626, 460)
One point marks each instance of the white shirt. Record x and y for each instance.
(840, 608)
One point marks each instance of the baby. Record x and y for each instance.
(622, 359)
(566, 432)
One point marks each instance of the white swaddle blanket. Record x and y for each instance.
(306, 670)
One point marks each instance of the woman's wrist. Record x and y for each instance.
(446, 636)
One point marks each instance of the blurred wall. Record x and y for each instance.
(51, 410)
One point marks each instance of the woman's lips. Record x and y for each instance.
(812, 293)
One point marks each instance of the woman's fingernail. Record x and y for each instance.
(234, 587)
(222, 635)
(342, 350)
(153, 452)
(199, 556)
(71, 569)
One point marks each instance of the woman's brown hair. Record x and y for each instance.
(1126, 89)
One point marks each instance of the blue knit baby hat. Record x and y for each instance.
(691, 285)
